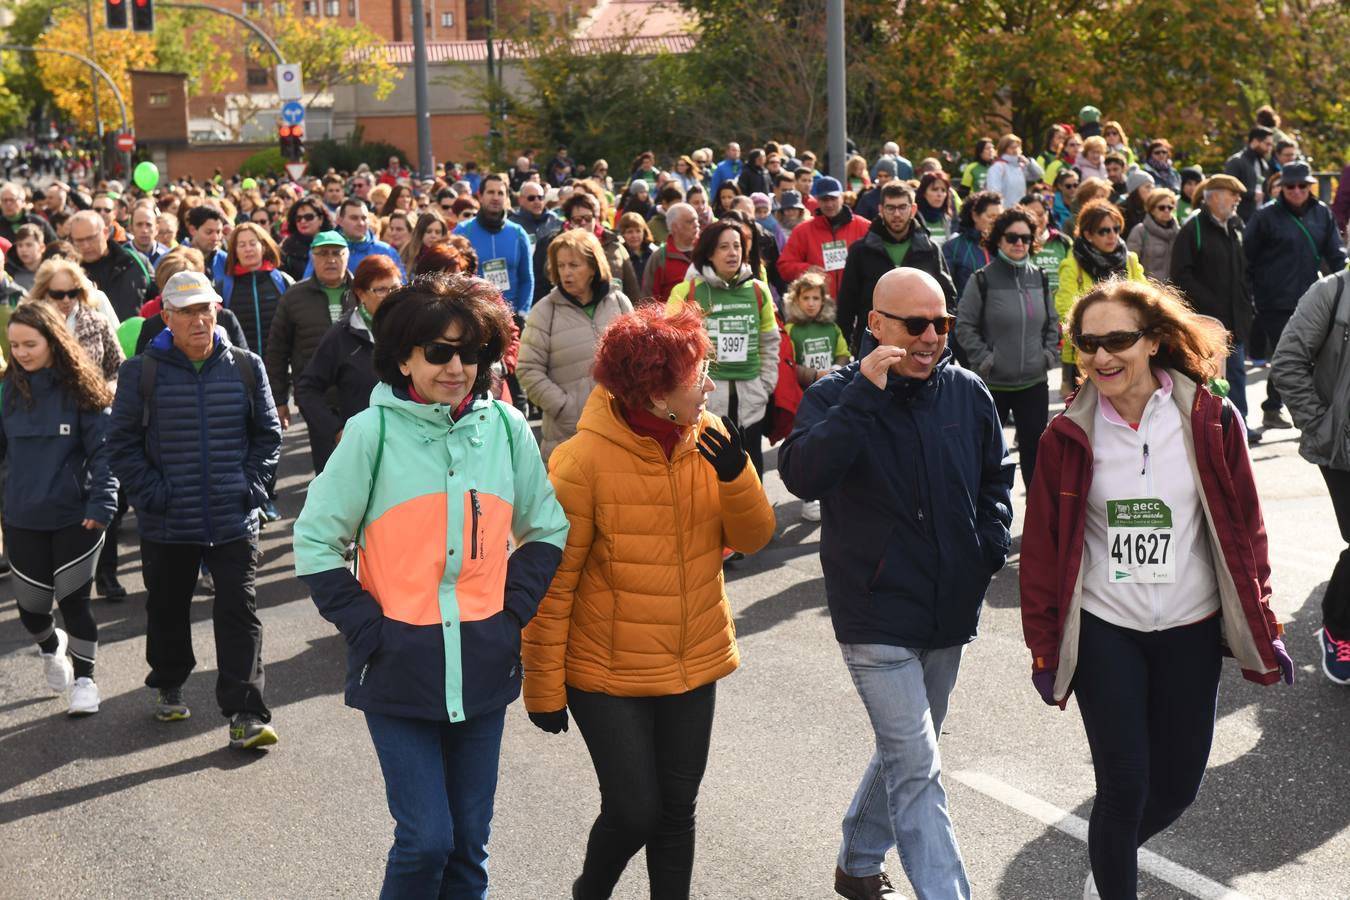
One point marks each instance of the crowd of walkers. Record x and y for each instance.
(886, 327)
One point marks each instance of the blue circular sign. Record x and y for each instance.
(293, 112)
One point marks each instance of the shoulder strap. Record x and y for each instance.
(1045, 296)
(982, 284)
(149, 366)
(1226, 416)
(759, 295)
(506, 423)
(1302, 228)
(1335, 307)
(244, 366)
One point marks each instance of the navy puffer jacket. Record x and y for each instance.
(199, 472)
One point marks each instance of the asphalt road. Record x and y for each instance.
(119, 805)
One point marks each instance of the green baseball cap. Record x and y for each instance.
(328, 239)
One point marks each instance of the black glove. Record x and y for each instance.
(553, 722)
(725, 452)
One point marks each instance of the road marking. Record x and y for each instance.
(1176, 875)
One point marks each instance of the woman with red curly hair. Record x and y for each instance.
(635, 630)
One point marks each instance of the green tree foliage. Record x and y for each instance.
(937, 74)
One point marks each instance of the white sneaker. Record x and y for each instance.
(810, 510)
(1090, 888)
(60, 673)
(84, 697)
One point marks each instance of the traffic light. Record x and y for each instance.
(142, 15)
(115, 14)
(292, 138)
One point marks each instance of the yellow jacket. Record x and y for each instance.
(1074, 283)
(638, 607)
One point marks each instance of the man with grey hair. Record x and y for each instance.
(118, 272)
(669, 262)
(14, 212)
(890, 152)
(905, 452)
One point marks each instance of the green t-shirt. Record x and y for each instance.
(734, 320)
(897, 251)
(198, 363)
(817, 344)
(1047, 259)
(974, 175)
(334, 295)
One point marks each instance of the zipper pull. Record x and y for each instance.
(1144, 470)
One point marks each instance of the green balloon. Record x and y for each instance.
(146, 176)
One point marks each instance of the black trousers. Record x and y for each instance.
(1336, 601)
(1148, 700)
(649, 754)
(1272, 324)
(57, 567)
(171, 572)
(1031, 413)
(753, 434)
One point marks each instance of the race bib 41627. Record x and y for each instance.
(1140, 542)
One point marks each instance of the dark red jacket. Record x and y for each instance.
(1052, 538)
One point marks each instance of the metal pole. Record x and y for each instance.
(425, 167)
(837, 96)
(491, 15)
(93, 81)
(112, 85)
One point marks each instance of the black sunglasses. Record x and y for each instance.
(439, 354)
(1103, 232)
(1114, 342)
(917, 325)
(1161, 208)
(65, 295)
(1017, 237)
(305, 217)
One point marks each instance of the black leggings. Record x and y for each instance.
(57, 567)
(1336, 601)
(649, 754)
(1148, 700)
(1031, 412)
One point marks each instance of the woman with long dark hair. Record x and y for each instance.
(935, 206)
(60, 494)
(254, 282)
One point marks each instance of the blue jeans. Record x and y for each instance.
(440, 780)
(901, 802)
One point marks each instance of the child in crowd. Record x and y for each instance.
(818, 343)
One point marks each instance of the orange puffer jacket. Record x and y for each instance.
(638, 607)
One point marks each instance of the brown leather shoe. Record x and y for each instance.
(869, 887)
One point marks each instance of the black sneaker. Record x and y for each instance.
(248, 732)
(171, 707)
(4, 565)
(110, 589)
(1273, 420)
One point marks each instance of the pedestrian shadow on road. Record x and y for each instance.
(787, 604)
(125, 725)
(1282, 798)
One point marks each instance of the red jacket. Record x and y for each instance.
(666, 268)
(1052, 539)
(804, 247)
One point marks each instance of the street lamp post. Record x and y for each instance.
(837, 94)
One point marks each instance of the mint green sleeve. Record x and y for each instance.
(536, 513)
(337, 499)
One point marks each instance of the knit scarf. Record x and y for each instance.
(1098, 265)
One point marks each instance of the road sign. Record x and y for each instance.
(295, 170)
(293, 112)
(289, 85)
(125, 142)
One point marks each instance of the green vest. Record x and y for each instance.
(1047, 259)
(815, 343)
(732, 320)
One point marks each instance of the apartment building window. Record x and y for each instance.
(351, 8)
(447, 20)
(253, 7)
(257, 78)
(280, 7)
(332, 8)
(311, 7)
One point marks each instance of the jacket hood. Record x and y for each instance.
(603, 416)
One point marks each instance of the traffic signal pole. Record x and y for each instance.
(93, 86)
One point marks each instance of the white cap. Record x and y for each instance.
(188, 289)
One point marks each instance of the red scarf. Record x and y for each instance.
(663, 431)
(459, 410)
(240, 270)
